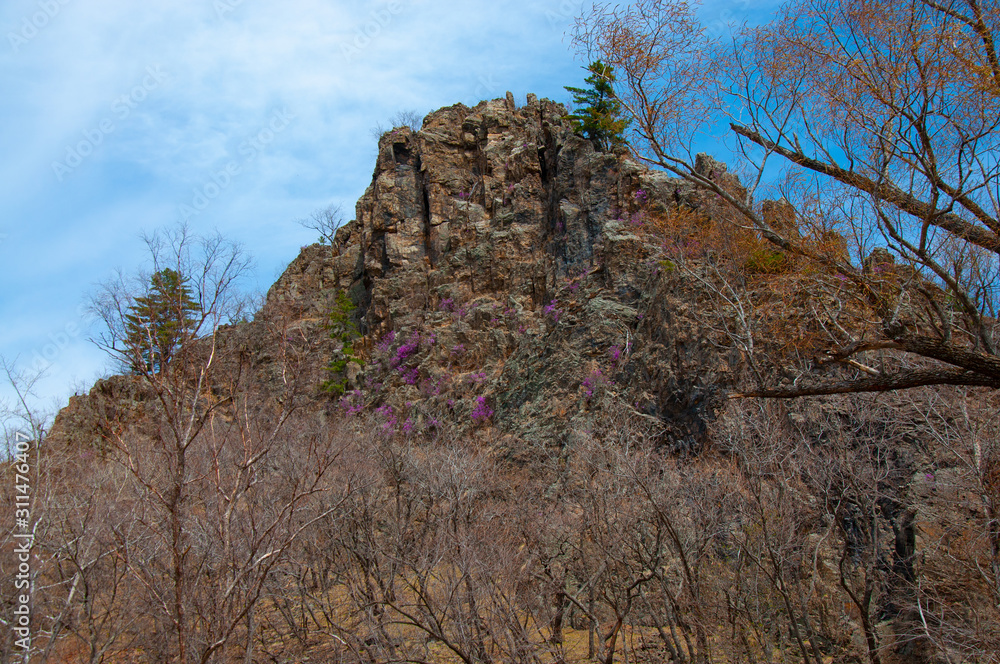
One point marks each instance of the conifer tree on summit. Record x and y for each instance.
(158, 321)
(599, 117)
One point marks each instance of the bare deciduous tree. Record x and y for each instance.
(407, 118)
(212, 269)
(887, 117)
(325, 221)
(223, 484)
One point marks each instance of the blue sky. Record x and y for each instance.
(116, 113)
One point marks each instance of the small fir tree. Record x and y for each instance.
(599, 110)
(160, 320)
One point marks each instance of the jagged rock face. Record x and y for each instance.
(496, 268)
(515, 183)
(497, 230)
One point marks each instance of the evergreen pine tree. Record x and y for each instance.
(598, 116)
(160, 320)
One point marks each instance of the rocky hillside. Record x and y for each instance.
(503, 282)
(496, 264)
(505, 275)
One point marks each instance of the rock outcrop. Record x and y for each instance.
(500, 282)
(504, 246)
(513, 286)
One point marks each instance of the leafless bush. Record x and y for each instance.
(408, 118)
(325, 221)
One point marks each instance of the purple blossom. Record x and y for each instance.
(447, 304)
(482, 411)
(404, 352)
(352, 403)
(552, 311)
(386, 342)
(390, 418)
(641, 196)
(411, 376)
(431, 388)
(592, 382)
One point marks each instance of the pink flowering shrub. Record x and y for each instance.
(482, 411)
(592, 384)
(386, 342)
(551, 311)
(352, 403)
(404, 352)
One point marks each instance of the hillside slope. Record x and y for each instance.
(533, 448)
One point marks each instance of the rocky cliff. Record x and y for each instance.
(495, 266)
(512, 286)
